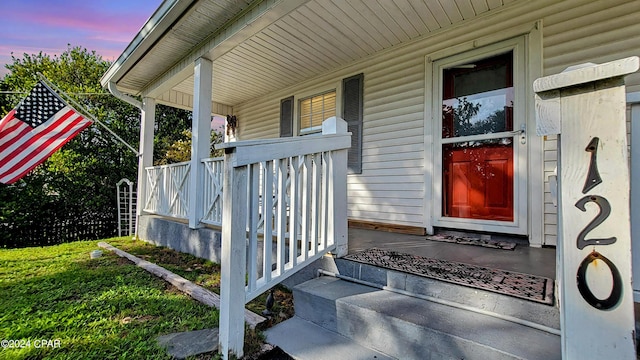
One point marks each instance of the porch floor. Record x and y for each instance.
(524, 259)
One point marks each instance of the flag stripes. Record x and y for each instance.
(23, 146)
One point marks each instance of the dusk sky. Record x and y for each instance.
(106, 26)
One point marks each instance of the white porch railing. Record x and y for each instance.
(285, 206)
(212, 190)
(168, 190)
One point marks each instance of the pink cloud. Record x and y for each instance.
(89, 22)
(105, 26)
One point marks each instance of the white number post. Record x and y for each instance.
(585, 106)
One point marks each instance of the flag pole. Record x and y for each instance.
(86, 113)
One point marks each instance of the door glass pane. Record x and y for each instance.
(478, 98)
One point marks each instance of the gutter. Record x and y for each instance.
(113, 89)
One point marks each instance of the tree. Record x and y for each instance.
(78, 181)
(180, 150)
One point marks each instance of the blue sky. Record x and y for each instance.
(106, 26)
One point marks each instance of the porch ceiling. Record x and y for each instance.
(279, 46)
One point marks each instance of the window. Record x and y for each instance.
(314, 110)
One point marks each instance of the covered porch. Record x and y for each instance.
(285, 182)
(523, 258)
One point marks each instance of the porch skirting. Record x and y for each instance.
(203, 242)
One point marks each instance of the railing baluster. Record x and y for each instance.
(219, 167)
(282, 216)
(324, 201)
(306, 204)
(254, 184)
(267, 217)
(315, 197)
(330, 203)
(293, 210)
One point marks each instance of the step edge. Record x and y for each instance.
(457, 305)
(549, 315)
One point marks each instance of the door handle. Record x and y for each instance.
(522, 132)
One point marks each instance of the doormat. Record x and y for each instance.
(505, 245)
(524, 286)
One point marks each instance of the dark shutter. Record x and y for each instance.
(286, 117)
(352, 108)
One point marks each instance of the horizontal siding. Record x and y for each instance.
(391, 186)
(259, 120)
(597, 31)
(393, 143)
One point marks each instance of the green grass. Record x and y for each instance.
(105, 308)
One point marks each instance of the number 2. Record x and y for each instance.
(603, 214)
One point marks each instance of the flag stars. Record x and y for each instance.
(39, 106)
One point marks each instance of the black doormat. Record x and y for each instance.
(524, 286)
(464, 240)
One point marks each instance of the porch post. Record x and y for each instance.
(234, 257)
(585, 105)
(337, 214)
(145, 159)
(634, 101)
(200, 135)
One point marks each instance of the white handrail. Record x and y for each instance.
(279, 195)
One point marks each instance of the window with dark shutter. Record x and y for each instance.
(286, 117)
(352, 109)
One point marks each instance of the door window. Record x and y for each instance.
(477, 160)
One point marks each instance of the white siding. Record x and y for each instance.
(597, 32)
(391, 187)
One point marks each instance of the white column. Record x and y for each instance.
(147, 123)
(337, 214)
(200, 136)
(586, 107)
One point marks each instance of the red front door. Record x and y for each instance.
(477, 160)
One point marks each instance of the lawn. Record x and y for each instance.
(104, 308)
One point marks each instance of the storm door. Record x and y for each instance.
(481, 146)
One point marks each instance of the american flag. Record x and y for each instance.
(30, 133)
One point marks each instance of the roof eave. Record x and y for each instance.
(154, 28)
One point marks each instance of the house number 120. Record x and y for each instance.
(593, 180)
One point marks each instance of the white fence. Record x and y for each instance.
(168, 190)
(212, 190)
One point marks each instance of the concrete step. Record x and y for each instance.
(407, 327)
(539, 313)
(304, 340)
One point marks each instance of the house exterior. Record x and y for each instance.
(437, 95)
